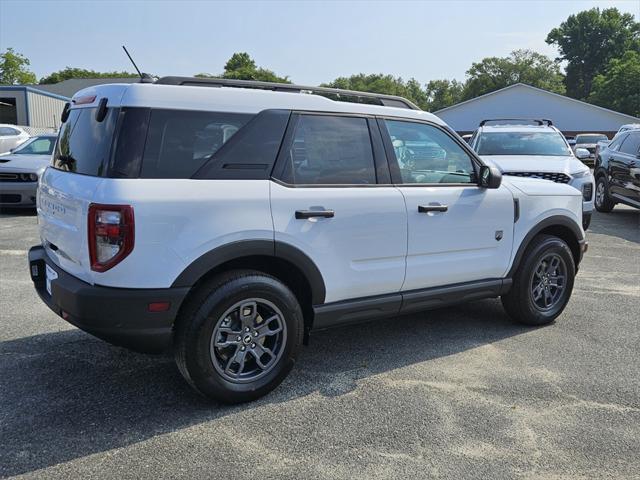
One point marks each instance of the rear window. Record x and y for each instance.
(85, 144)
(180, 142)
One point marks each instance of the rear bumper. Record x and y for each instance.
(117, 315)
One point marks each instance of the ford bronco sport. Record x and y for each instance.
(229, 222)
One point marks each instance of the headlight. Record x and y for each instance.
(581, 174)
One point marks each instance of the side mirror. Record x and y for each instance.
(582, 153)
(490, 177)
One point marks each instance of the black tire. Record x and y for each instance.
(603, 202)
(519, 303)
(196, 352)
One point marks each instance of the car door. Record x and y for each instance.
(457, 231)
(332, 199)
(624, 168)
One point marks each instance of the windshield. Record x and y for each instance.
(522, 143)
(591, 138)
(37, 146)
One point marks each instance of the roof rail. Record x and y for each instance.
(332, 93)
(542, 121)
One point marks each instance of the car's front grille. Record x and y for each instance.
(553, 176)
(15, 177)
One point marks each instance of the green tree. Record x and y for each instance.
(385, 84)
(521, 66)
(13, 68)
(443, 93)
(242, 67)
(619, 87)
(70, 72)
(588, 40)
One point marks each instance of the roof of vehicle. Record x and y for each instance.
(231, 99)
(518, 128)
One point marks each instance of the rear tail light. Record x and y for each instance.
(111, 235)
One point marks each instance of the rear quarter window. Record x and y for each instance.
(84, 144)
(180, 142)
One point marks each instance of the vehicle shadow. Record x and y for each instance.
(622, 222)
(67, 395)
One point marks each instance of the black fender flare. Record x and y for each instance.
(552, 221)
(245, 248)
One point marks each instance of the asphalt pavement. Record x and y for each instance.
(455, 393)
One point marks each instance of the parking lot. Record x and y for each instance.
(455, 393)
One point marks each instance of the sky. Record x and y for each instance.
(311, 42)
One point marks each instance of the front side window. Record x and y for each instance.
(180, 142)
(426, 154)
(330, 150)
(37, 146)
(631, 144)
(522, 143)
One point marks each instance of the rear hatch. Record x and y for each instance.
(70, 184)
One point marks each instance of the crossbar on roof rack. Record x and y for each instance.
(332, 93)
(538, 121)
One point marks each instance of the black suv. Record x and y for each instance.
(617, 172)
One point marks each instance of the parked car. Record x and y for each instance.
(20, 171)
(617, 172)
(571, 141)
(11, 137)
(589, 141)
(230, 222)
(537, 149)
(629, 126)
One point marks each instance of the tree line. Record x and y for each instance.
(598, 62)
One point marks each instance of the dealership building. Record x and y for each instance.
(569, 115)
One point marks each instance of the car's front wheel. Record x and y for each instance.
(543, 282)
(603, 201)
(239, 336)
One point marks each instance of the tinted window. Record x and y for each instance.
(590, 138)
(180, 142)
(330, 150)
(631, 144)
(617, 140)
(8, 131)
(84, 144)
(37, 146)
(522, 143)
(426, 154)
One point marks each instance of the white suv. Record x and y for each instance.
(230, 222)
(538, 151)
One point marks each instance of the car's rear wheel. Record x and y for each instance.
(239, 336)
(543, 283)
(603, 201)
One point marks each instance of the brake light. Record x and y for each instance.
(111, 235)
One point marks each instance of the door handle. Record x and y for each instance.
(432, 208)
(304, 214)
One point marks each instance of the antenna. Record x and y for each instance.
(144, 77)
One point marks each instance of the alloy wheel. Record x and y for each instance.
(248, 340)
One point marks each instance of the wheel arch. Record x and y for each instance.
(283, 261)
(558, 226)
